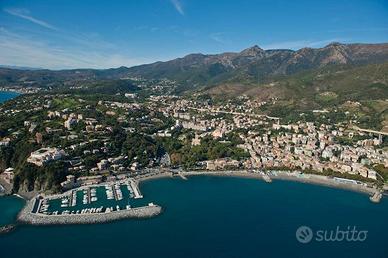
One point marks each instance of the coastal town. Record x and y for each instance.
(271, 144)
(96, 141)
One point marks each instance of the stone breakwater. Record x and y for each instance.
(7, 228)
(28, 217)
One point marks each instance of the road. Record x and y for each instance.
(234, 113)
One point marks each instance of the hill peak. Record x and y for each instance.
(335, 45)
(252, 51)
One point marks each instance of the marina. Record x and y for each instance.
(86, 216)
(89, 204)
(93, 199)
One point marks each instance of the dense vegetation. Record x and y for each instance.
(183, 153)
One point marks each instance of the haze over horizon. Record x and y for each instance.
(91, 34)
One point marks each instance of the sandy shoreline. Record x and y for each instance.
(287, 176)
(153, 177)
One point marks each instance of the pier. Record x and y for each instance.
(182, 176)
(88, 198)
(39, 205)
(266, 178)
(135, 188)
(114, 192)
(73, 198)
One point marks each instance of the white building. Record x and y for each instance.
(5, 142)
(43, 155)
(70, 122)
(8, 175)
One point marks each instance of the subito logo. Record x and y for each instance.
(304, 234)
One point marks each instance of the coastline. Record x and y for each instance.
(141, 179)
(27, 195)
(286, 176)
(26, 216)
(326, 182)
(15, 91)
(289, 176)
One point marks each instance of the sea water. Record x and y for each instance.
(7, 95)
(216, 217)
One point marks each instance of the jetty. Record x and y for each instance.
(182, 176)
(73, 198)
(266, 177)
(376, 197)
(135, 187)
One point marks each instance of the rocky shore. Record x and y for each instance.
(7, 228)
(5, 188)
(28, 217)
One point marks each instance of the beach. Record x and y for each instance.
(280, 175)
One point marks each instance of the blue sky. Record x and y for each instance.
(61, 34)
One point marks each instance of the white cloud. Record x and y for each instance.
(19, 50)
(218, 37)
(178, 6)
(25, 14)
(297, 44)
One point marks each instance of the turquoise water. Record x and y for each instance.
(9, 208)
(217, 217)
(6, 95)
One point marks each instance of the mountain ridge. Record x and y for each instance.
(195, 71)
(256, 64)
